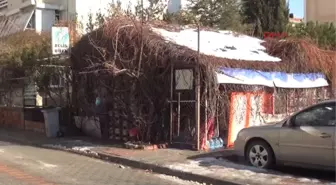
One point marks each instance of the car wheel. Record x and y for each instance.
(259, 154)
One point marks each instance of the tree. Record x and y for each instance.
(222, 14)
(266, 15)
(90, 24)
(153, 11)
(100, 19)
(95, 21)
(323, 34)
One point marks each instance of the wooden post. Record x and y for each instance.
(197, 90)
(171, 102)
(206, 113)
(178, 113)
(333, 82)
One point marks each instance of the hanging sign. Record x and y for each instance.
(60, 40)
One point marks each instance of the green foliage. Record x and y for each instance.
(222, 14)
(100, 19)
(23, 49)
(323, 34)
(90, 25)
(266, 15)
(95, 21)
(116, 9)
(153, 11)
(182, 18)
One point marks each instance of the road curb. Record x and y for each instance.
(135, 164)
(164, 170)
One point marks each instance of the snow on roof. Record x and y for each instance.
(223, 44)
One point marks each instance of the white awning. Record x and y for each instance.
(271, 79)
(14, 23)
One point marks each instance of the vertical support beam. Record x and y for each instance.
(333, 81)
(197, 90)
(178, 113)
(171, 102)
(206, 113)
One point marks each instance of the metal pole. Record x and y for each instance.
(197, 90)
(178, 113)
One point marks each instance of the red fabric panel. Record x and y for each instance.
(267, 107)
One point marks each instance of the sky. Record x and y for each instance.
(297, 8)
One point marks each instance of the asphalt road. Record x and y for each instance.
(27, 165)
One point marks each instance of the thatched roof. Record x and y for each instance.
(125, 36)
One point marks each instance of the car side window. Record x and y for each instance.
(322, 115)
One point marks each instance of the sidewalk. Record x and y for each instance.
(157, 161)
(214, 168)
(210, 168)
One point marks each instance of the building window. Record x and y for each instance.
(31, 23)
(3, 4)
(57, 81)
(57, 16)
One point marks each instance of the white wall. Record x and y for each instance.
(174, 6)
(321, 11)
(45, 19)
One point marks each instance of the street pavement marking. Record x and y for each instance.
(20, 175)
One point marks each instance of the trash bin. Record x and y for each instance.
(51, 121)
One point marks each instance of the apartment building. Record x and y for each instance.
(41, 15)
(320, 10)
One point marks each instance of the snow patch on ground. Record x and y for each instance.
(47, 165)
(224, 169)
(78, 149)
(179, 181)
(222, 44)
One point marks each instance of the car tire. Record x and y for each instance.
(259, 154)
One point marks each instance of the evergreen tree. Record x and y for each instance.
(222, 14)
(151, 12)
(90, 24)
(266, 15)
(323, 34)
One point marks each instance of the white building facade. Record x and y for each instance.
(321, 11)
(41, 15)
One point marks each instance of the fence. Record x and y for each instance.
(12, 117)
(34, 120)
(22, 118)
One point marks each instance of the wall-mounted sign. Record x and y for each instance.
(60, 40)
(184, 79)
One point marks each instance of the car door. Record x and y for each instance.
(310, 139)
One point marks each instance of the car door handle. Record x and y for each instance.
(325, 135)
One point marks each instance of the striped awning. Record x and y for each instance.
(14, 23)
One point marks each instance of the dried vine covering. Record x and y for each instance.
(301, 55)
(128, 65)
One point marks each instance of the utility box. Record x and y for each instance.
(51, 121)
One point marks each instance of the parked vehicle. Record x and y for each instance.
(305, 139)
